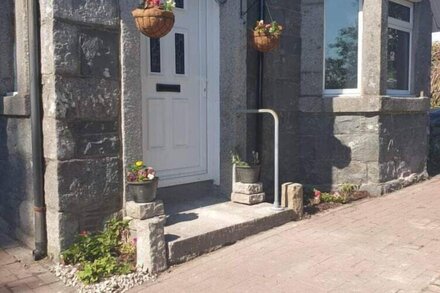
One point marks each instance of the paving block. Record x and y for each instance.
(142, 211)
(292, 196)
(249, 199)
(248, 188)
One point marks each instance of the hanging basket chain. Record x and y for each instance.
(243, 13)
(268, 10)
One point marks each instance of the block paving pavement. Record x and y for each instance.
(386, 244)
(20, 273)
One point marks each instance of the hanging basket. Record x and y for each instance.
(264, 42)
(153, 22)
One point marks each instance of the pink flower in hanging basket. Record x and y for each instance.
(154, 2)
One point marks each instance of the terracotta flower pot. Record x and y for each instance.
(153, 22)
(250, 174)
(143, 192)
(264, 42)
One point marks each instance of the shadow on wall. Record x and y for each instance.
(4, 167)
(434, 144)
(323, 154)
(15, 178)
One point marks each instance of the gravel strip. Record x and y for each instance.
(116, 284)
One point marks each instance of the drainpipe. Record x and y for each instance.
(260, 64)
(37, 145)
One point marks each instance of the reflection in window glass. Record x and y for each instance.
(398, 59)
(179, 3)
(399, 11)
(14, 46)
(8, 70)
(155, 55)
(341, 44)
(180, 53)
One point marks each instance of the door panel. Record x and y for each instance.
(156, 108)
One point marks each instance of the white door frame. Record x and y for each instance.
(212, 16)
(213, 88)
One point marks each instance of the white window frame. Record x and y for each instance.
(403, 26)
(348, 91)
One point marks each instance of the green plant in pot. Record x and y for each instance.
(247, 172)
(142, 182)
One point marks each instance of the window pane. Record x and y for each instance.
(155, 55)
(341, 44)
(7, 48)
(14, 47)
(180, 53)
(398, 59)
(179, 3)
(399, 11)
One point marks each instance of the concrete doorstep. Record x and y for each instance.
(199, 222)
(211, 227)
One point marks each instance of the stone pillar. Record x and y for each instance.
(292, 197)
(131, 87)
(246, 193)
(374, 48)
(81, 101)
(233, 73)
(147, 225)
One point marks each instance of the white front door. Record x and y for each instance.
(175, 106)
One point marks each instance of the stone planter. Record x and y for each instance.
(143, 192)
(264, 42)
(250, 174)
(153, 22)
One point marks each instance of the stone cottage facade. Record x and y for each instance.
(348, 82)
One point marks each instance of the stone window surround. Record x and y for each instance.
(373, 97)
(364, 104)
(19, 103)
(352, 93)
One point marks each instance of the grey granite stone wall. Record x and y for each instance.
(280, 93)
(373, 140)
(403, 149)
(338, 148)
(131, 87)
(233, 130)
(81, 125)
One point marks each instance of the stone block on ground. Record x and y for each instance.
(150, 244)
(248, 188)
(292, 198)
(142, 211)
(249, 199)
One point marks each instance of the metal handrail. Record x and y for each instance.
(277, 200)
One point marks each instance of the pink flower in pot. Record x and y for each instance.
(131, 177)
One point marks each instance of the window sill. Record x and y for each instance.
(15, 105)
(364, 104)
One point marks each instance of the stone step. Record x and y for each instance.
(194, 232)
